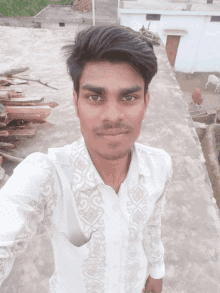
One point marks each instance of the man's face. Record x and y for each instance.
(110, 107)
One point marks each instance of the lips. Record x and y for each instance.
(112, 133)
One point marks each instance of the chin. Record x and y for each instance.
(113, 155)
(109, 149)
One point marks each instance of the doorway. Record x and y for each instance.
(171, 48)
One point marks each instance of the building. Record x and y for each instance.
(56, 16)
(190, 30)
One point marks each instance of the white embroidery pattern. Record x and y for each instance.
(49, 199)
(154, 230)
(42, 212)
(89, 200)
(136, 207)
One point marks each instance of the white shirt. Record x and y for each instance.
(102, 241)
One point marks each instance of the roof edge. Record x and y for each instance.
(166, 12)
(45, 8)
(60, 5)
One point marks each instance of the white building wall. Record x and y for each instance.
(199, 49)
(209, 47)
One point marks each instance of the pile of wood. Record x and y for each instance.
(19, 114)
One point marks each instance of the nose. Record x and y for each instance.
(112, 111)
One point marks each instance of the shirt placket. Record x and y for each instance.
(113, 237)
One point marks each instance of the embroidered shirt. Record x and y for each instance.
(102, 241)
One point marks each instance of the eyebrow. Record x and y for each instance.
(124, 91)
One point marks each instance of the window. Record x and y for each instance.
(153, 16)
(215, 18)
(61, 24)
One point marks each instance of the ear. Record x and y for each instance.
(75, 100)
(147, 99)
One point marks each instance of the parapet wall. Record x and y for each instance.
(19, 22)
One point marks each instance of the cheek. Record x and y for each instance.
(88, 115)
(136, 115)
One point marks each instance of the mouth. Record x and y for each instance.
(113, 135)
(113, 132)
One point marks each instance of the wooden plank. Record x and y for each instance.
(51, 104)
(12, 94)
(6, 145)
(11, 157)
(11, 103)
(3, 113)
(21, 133)
(15, 95)
(2, 173)
(16, 81)
(4, 81)
(26, 113)
(22, 101)
(14, 71)
(4, 95)
(4, 133)
(3, 117)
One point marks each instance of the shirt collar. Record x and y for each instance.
(84, 164)
(142, 160)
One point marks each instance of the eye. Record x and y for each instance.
(94, 98)
(129, 98)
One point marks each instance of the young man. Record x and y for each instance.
(101, 197)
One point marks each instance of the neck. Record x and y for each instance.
(112, 172)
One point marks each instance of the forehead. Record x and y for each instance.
(106, 73)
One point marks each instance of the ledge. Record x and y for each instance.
(174, 32)
(165, 12)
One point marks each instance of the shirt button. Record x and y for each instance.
(115, 267)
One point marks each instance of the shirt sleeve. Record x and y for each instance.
(26, 200)
(152, 243)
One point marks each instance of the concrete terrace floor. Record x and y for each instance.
(190, 223)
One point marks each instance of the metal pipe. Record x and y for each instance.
(93, 12)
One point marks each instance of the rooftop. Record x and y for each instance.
(62, 13)
(190, 223)
(169, 5)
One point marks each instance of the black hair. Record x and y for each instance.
(113, 44)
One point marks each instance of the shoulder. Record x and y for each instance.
(62, 155)
(152, 151)
(35, 165)
(151, 155)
